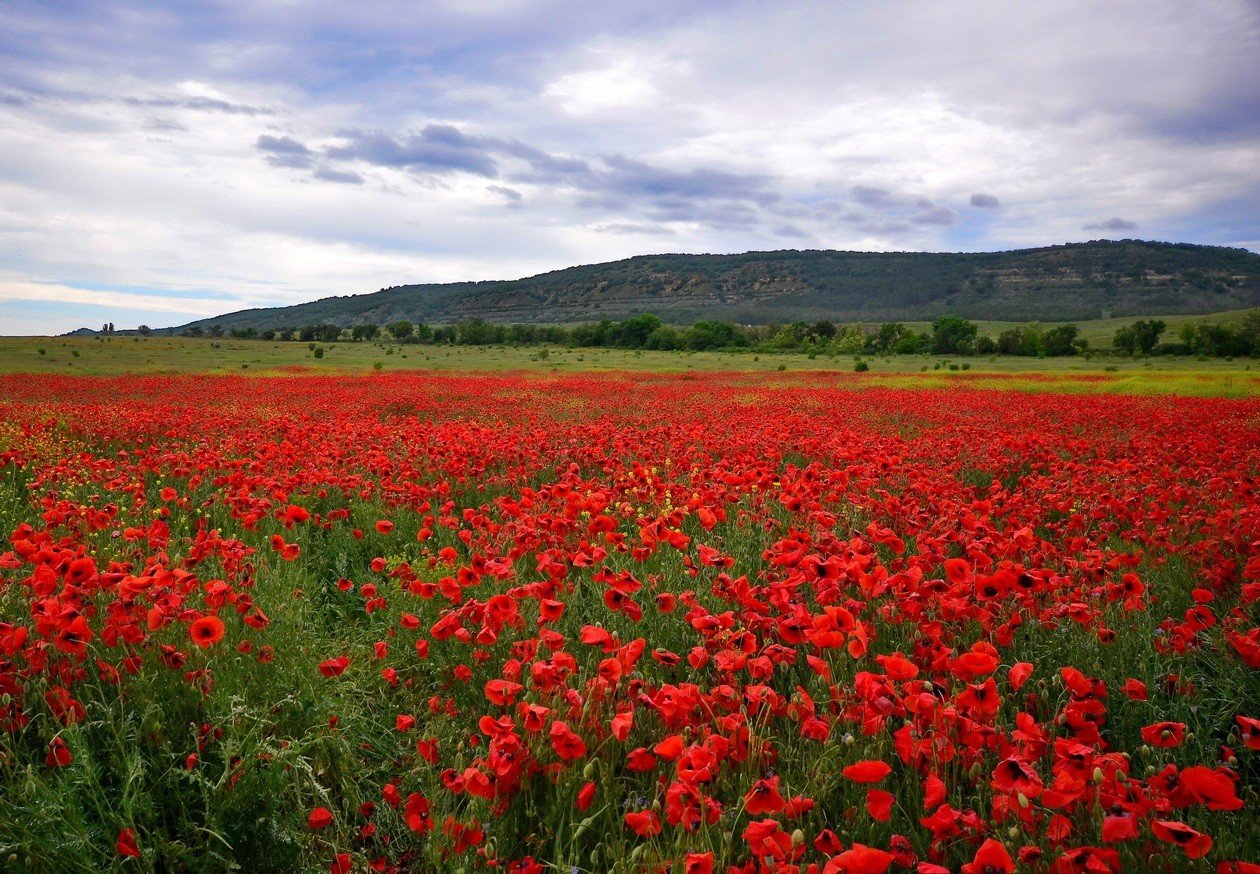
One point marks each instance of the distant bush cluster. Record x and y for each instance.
(1210, 339)
(949, 335)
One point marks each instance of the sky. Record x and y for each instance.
(162, 162)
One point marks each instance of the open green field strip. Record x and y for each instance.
(112, 356)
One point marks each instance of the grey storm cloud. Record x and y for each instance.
(985, 201)
(435, 148)
(345, 177)
(611, 183)
(635, 228)
(888, 210)
(510, 194)
(935, 215)
(1111, 224)
(200, 104)
(285, 151)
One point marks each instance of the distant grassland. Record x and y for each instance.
(111, 356)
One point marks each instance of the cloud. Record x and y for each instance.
(197, 104)
(17, 290)
(130, 142)
(285, 151)
(508, 194)
(345, 177)
(1111, 224)
(935, 215)
(635, 229)
(435, 148)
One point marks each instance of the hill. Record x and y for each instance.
(1076, 281)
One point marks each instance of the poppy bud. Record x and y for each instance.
(589, 770)
(974, 771)
(798, 838)
(1023, 802)
(1013, 832)
(1098, 775)
(1150, 769)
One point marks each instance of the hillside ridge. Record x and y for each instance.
(1074, 281)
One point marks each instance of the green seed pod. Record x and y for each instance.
(589, 770)
(1023, 801)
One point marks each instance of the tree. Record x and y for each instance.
(633, 333)
(144, 330)
(953, 335)
(401, 329)
(1146, 334)
(664, 337)
(823, 329)
(1141, 336)
(712, 335)
(913, 343)
(479, 332)
(888, 335)
(1061, 340)
(216, 330)
(359, 333)
(849, 341)
(1125, 340)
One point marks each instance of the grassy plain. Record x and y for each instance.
(108, 356)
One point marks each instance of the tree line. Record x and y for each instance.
(948, 335)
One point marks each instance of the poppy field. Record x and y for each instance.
(531, 622)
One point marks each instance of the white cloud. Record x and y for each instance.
(17, 290)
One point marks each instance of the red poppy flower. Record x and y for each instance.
(126, 844)
(320, 818)
(879, 804)
(764, 797)
(991, 858)
(870, 771)
(58, 754)
(859, 859)
(1250, 730)
(334, 667)
(206, 631)
(644, 823)
(1164, 734)
(566, 742)
(1195, 844)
